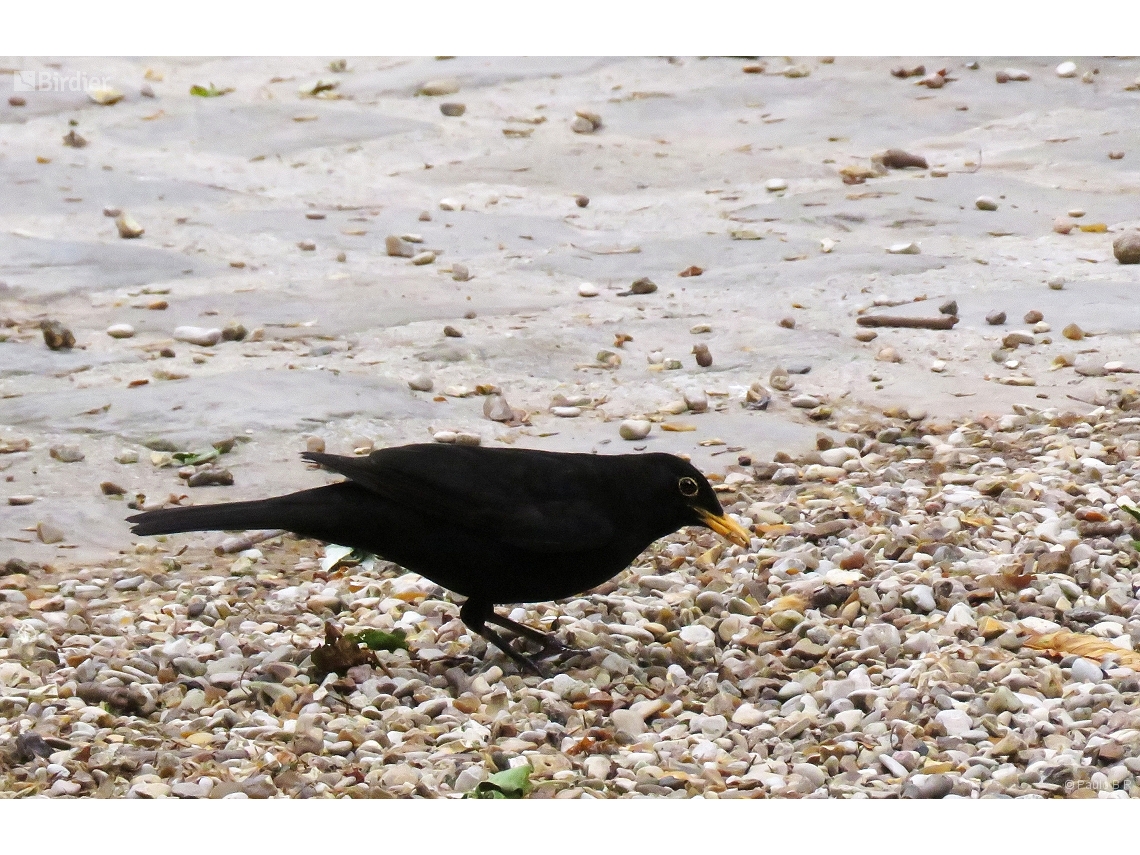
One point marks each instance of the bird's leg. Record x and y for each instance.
(475, 615)
(550, 644)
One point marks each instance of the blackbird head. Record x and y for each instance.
(680, 486)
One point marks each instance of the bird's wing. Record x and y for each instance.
(496, 502)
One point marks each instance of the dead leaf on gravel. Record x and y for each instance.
(1063, 642)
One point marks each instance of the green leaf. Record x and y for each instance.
(1131, 511)
(377, 639)
(210, 91)
(193, 458)
(512, 784)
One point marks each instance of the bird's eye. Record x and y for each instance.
(688, 487)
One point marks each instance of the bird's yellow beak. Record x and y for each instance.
(726, 526)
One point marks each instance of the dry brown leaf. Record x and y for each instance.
(1063, 642)
(790, 602)
(676, 427)
(338, 653)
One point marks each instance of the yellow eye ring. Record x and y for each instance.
(688, 487)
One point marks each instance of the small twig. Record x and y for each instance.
(944, 322)
(245, 541)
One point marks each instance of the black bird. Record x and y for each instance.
(496, 525)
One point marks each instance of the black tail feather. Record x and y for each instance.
(311, 513)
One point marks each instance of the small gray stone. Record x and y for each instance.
(928, 787)
(1086, 671)
(421, 383)
(66, 453)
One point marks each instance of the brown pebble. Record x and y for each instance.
(581, 201)
(644, 285)
(903, 71)
(306, 245)
(950, 307)
(692, 271)
(57, 336)
(451, 108)
(16, 101)
(888, 354)
(1033, 316)
(896, 158)
(452, 332)
(995, 319)
(212, 476)
(1126, 248)
(866, 335)
(1073, 332)
(49, 533)
(1063, 225)
(74, 140)
(1115, 155)
(704, 358)
(788, 323)
(110, 488)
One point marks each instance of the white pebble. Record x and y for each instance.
(773, 185)
(696, 633)
(956, 722)
(120, 331)
(904, 249)
(566, 412)
(587, 289)
(200, 336)
(634, 429)
(1067, 69)
(450, 205)
(1086, 671)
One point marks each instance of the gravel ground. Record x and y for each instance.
(930, 609)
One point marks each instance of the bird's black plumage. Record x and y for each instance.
(496, 525)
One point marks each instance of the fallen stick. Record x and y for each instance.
(246, 541)
(943, 322)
